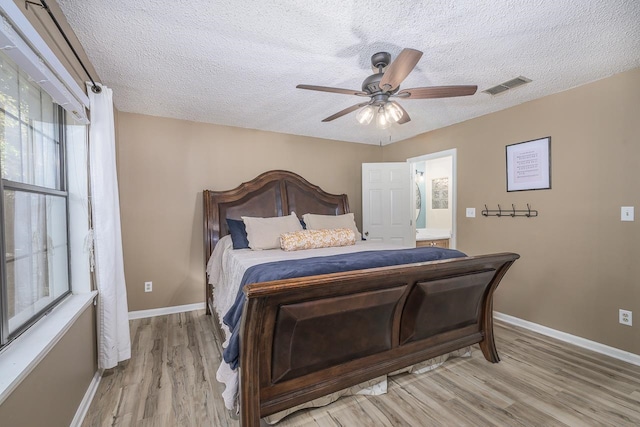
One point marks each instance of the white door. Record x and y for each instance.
(386, 203)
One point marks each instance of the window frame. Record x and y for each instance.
(60, 123)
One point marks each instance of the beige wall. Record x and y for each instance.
(579, 263)
(163, 166)
(51, 393)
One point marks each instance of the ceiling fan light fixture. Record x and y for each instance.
(365, 115)
(381, 119)
(392, 113)
(384, 84)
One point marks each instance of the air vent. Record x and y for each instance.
(503, 87)
(496, 90)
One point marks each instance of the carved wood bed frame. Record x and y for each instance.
(312, 336)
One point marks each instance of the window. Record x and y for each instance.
(34, 202)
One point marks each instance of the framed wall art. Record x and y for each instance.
(440, 193)
(529, 165)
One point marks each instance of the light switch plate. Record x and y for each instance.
(471, 212)
(626, 213)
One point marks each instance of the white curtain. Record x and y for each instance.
(114, 343)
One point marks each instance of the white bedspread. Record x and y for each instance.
(225, 270)
(227, 266)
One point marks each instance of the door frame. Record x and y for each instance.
(453, 153)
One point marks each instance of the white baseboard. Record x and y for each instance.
(81, 412)
(141, 314)
(616, 353)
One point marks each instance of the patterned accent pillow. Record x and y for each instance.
(321, 222)
(312, 239)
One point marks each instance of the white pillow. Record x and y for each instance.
(321, 222)
(264, 233)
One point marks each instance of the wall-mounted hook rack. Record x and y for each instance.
(513, 212)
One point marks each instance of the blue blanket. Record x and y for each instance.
(320, 265)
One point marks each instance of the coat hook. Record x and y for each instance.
(529, 213)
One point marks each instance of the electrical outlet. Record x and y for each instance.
(148, 286)
(626, 317)
(471, 212)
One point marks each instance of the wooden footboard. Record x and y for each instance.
(307, 337)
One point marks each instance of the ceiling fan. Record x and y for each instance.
(384, 85)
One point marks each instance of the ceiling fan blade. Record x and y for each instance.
(436, 92)
(333, 89)
(405, 116)
(399, 69)
(345, 111)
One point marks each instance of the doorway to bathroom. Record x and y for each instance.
(434, 197)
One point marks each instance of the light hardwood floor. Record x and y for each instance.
(170, 381)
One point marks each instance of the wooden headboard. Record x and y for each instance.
(273, 193)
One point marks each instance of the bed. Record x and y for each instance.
(414, 311)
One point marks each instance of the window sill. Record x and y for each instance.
(25, 352)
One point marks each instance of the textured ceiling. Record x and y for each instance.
(237, 62)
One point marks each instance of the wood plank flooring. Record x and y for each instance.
(170, 381)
